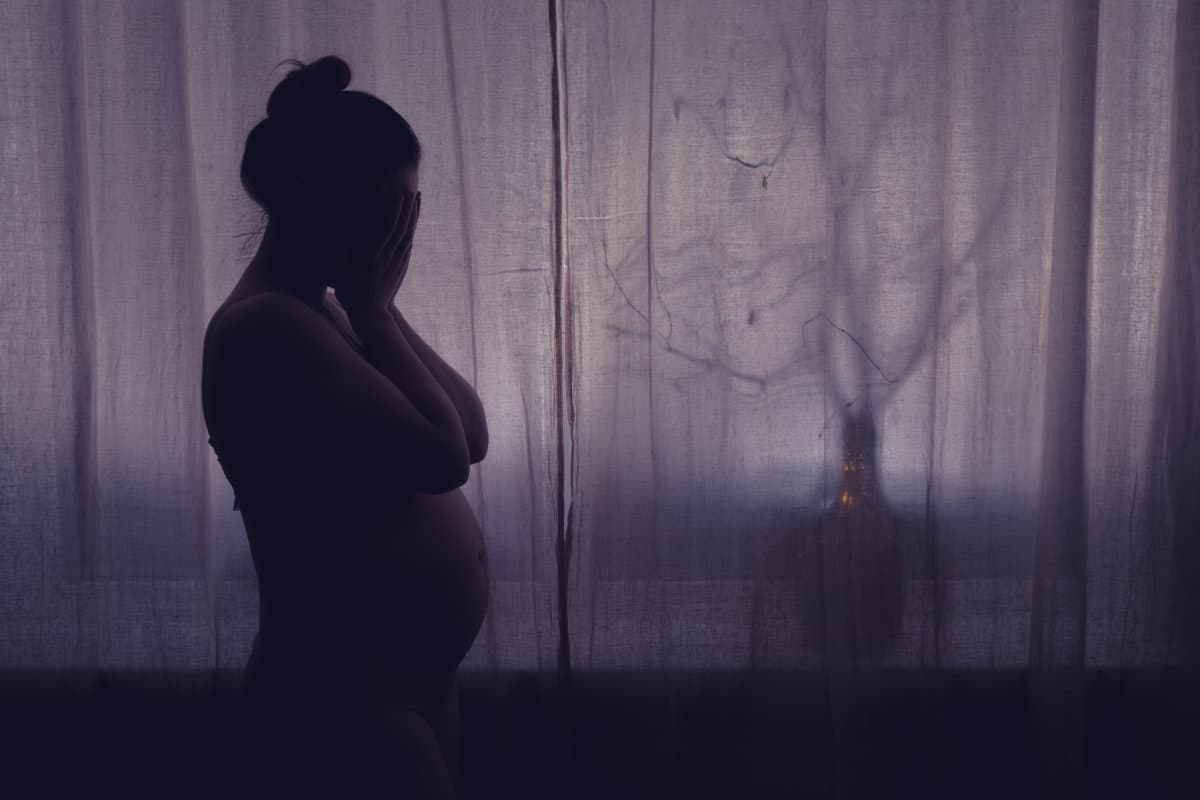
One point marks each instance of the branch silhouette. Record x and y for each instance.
(846, 169)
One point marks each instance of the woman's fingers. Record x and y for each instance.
(401, 227)
(379, 231)
(414, 210)
(400, 255)
(402, 224)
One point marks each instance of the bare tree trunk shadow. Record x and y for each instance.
(846, 564)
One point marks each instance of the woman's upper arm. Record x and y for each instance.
(322, 410)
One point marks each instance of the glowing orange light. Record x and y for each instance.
(853, 484)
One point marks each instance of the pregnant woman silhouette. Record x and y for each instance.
(346, 439)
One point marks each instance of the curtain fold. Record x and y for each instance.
(1174, 507)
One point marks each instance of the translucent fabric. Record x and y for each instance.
(811, 334)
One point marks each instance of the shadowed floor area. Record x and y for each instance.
(864, 734)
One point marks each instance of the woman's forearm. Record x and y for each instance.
(460, 392)
(389, 351)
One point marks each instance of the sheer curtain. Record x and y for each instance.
(813, 335)
(953, 236)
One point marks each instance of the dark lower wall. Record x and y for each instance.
(945, 734)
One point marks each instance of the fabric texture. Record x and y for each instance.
(812, 335)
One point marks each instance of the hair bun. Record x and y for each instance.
(308, 84)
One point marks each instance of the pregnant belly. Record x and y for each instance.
(438, 576)
(397, 587)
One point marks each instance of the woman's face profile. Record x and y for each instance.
(372, 219)
(385, 198)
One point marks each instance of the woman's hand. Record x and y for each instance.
(371, 271)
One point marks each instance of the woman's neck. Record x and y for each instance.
(283, 266)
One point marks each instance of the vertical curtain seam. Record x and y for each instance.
(571, 468)
(563, 395)
(561, 358)
(937, 586)
(563, 533)
(86, 533)
(650, 291)
(562, 653)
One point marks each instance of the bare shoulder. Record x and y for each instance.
(263, 319)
